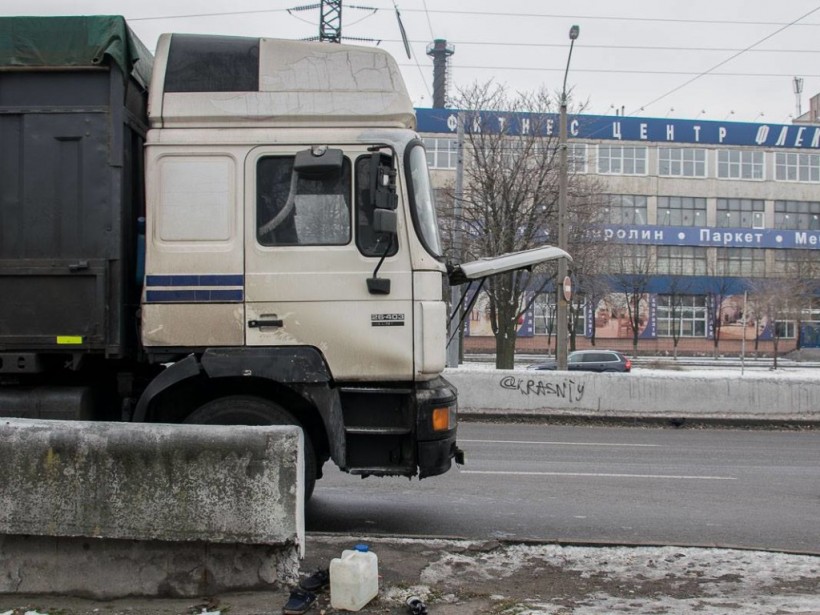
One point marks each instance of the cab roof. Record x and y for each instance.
(205, 80)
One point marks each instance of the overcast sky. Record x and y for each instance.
(636, 54)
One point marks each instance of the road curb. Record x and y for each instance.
(470, 416)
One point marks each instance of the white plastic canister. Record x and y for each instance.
(354, 579)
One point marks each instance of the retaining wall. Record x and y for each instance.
(110, 510)
(757, 397)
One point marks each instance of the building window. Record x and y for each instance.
(794, 167)
(740, 164)
(577, 157)
(625, 209)
(442, 153)
(786, 329)
(681, 211)
(628, 259)
(684, 314)
(797, 215)
(795, 263)
(746, 262)
(681, 260)
(621, 160)
(740, 213)
(544, 314)
(681, 162)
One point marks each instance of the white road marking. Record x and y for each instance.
(558, 443)
(597, 475)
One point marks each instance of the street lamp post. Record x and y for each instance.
(561, 301)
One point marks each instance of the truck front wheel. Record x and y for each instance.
(248, 410)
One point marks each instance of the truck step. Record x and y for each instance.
(382, 471)
(378, 431)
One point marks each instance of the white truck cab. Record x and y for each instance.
(292, 251)
(265, 194)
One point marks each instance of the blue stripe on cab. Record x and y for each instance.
(193, 288)
(193, 296)
(195, 280)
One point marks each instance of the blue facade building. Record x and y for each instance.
(710, 204)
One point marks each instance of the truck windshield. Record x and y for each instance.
(422, 202)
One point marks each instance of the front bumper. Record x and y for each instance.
(436, 447)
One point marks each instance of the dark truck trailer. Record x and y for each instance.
(73, 120)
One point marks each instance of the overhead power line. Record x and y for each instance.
(191, 15)
(623, 71)
(737, 22)
(726, 61)
(577, 17)
(562, 45)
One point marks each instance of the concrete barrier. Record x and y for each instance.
(757, 397)
(109, 510)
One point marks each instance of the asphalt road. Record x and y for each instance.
(723, 487)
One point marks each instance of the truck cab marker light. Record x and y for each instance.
(441, 419)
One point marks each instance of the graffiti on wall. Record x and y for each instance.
(562, 388)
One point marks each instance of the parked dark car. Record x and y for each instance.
(590, 361)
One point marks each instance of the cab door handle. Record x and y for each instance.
(277, 322)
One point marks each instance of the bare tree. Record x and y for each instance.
(801, 268)
(593, 298)
(511, 195)
(589, 253)
(632, 268)
(592, 285)
(720, 286)
(678, 291)
(544, 308)
(779, 301)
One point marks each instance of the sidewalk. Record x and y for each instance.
(457, 577)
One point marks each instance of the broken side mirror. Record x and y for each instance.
(383, 182)
(384, 200)
(385, 221)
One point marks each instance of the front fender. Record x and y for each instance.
(301, 368)
(173, 374)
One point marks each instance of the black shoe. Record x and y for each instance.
(299, 602)
(318, 581)
(415, 606)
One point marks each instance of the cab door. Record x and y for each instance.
(309, 251)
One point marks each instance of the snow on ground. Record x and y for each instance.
(644, 580)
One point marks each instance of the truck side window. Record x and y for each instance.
(368, 241)
(298, 211)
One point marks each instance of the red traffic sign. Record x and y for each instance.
(567, 289)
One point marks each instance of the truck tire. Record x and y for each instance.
(249, 410)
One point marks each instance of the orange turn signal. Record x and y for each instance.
(441, 419)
